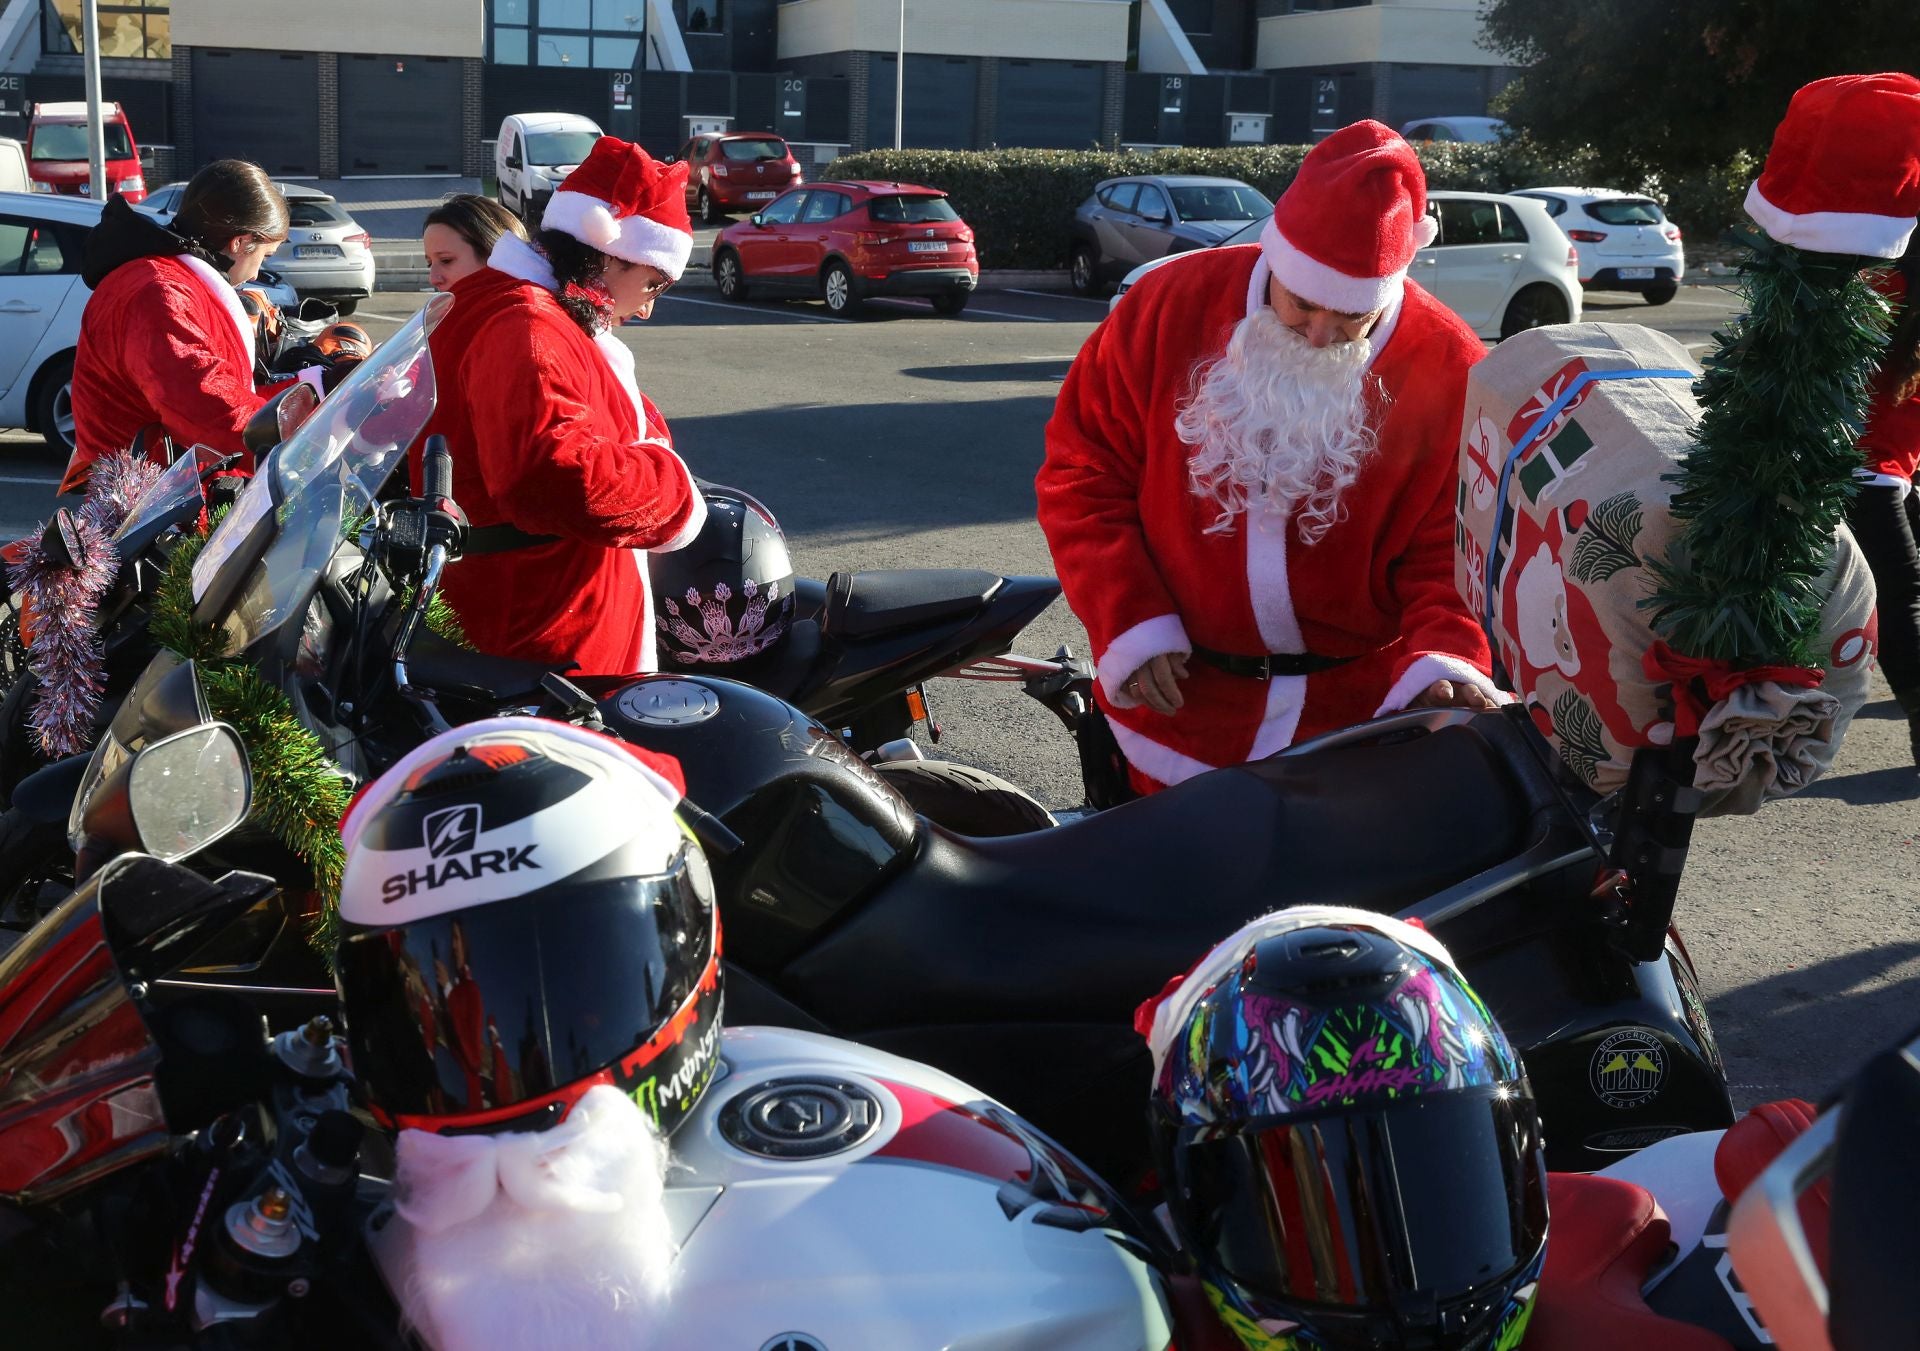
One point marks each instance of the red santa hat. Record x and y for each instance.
(624, 202)
(1344, 232)
(1843, 175)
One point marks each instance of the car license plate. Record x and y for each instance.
(1636, 274)
(927, 246)
(316, 251)
(760, 196)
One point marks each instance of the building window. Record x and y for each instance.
(701, 16)
(129, 30)
(566, 14)
(615, 53)
(562, 49)
(510, 46)
(517, 12)
(618, 16)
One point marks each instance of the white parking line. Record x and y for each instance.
(1056, 295)
(971, 310)
(387, 318)
(769, 311)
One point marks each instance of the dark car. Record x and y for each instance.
(844, 242)
(1130, 221)
(736, 171)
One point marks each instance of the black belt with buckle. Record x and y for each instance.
(1269, 664)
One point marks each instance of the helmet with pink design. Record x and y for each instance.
(1348, 1142)
(727, 596)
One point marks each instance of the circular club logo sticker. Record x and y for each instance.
(1628, 1068)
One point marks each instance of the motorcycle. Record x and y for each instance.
(1012, 963)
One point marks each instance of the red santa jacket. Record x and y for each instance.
(545, 438)
(1129, 536)
(162, 340)
(1891, 442)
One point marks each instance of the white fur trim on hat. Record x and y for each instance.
(1832, 231)
(1171, 1016)
(637, 239)
(1312, 280)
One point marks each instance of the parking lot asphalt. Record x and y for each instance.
(904, 439)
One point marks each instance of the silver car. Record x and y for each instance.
(327, 254)
(1130, 221)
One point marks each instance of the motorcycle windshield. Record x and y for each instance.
(262, 565)
(175, 493)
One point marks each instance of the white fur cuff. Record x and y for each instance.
(1126, 654)
(1431, 666)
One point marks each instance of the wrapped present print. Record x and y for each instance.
(1568, 438)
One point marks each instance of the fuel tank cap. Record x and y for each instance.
(667, 703)
(800, 1118)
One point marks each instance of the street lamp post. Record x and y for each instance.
(96, 123)
(899, 79)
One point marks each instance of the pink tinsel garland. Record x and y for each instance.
(60, 602)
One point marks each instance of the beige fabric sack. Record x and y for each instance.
(1587, 510)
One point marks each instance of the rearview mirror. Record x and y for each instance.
(757, 219)
(513, 162)
(187, 790)
(278, 418)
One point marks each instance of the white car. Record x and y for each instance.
(1472, 130)
(1625, 240)
(534, 153)
(1499, 262)
(42, 238)
(327, 254)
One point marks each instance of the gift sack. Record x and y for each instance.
(1572, 430)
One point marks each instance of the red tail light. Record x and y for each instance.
(873, 238)
(1573, 256)
(363, 238)
(1672, 232)
(1587, 236)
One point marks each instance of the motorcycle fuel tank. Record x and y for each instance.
(821, 828)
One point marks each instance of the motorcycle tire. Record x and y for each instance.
(965, 800)
(36, 870)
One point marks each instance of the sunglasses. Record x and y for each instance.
(654, 289)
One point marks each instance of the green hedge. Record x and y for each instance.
(1020, 202)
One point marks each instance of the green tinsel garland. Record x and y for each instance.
(1771, 469)
(298, 794)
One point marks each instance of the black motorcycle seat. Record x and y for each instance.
(1139, 893)
(869, 604)
(447, 667)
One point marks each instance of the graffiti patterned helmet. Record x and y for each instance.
(522, 918)
(1349, 1145)
(727, 596)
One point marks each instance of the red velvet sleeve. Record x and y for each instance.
(202, 395)
(1089, 485)
(548, 460)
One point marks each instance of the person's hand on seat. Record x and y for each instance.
(1157, 683)
(1453, 694)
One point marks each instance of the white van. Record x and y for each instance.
(535, 151)
(13, 166)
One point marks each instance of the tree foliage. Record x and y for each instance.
(1682, 85)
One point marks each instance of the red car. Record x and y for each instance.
(845, 242)
(736, 171)
(57, 148)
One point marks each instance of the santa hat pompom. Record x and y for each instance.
(1345, 231)
(624, 202)
(1843, 175)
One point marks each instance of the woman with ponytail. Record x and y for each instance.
(1885, 516)
(164, 342)
(565, 469)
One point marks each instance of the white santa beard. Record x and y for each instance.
(571, 1247)
(1278, 422)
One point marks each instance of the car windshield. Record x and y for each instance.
(904, 210)
(261, 566)
(764, 147)
(310, 211)
(1220, 202)
(68, 141)
(1626, 211)
(559, 147)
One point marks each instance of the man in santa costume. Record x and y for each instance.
(1249, 480)
(566, 471)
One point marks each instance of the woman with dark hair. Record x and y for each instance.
(460, 235)
(164, 341)
(1885, 517)
(565, 469)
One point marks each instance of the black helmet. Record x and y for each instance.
(728, 595)
(1349, 1146)
(522, 917)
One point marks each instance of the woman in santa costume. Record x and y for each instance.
(1249, 481)
(164, 342)
(565, 469)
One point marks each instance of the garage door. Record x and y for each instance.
(1052, 104)
(399, 115)
(260, 106)
(940, 99)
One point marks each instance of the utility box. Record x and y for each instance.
(1246, 128)
(692, 126)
